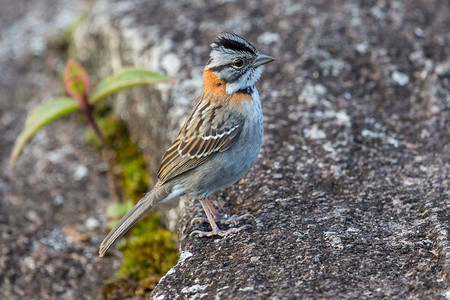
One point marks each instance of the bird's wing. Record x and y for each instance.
(209, 129)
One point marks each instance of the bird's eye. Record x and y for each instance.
(238, 62)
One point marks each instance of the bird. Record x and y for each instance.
(219, 141)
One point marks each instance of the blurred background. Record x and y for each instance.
(356, 105)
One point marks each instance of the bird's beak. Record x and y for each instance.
(262, 60)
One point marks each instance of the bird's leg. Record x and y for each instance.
(203, 219)
(210, 216)
(214, 212)
(234, 219)
(218, 218)
(215, 228)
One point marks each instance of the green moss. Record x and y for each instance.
(130, 165)
(149, 253)
(142, 250)
(149, 249)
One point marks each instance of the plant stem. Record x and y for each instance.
(88, 110)
(114, 189)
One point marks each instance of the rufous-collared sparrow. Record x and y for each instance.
(219, 141)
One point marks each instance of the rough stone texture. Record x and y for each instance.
(52, 207)
(350, 194)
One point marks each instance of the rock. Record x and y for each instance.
(80, 172)
(269, 38)
(400, 78)
(91, 223)
(361, 48)
(314, 133)
(349, 195)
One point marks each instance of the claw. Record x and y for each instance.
(222, 233)
(234, 219)
(199, 220)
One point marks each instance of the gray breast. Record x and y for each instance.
(227, 167)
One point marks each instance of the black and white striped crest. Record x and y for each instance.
(232, 42)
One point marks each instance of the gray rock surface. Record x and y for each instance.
(350, 193)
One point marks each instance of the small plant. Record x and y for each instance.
(81, 99)
(149, 251)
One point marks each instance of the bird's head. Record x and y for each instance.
(235, 62)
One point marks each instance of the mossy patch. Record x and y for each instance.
(130, 166)
(149, 253)
(149, 250)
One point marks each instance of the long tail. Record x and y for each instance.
(136, 213)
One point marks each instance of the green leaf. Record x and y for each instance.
(76, 81)
(38, 118)
(125, 78)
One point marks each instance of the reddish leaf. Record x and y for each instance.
(76, 82)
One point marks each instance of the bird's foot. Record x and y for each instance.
(199, 220)
(219, 232)
(234, 219)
